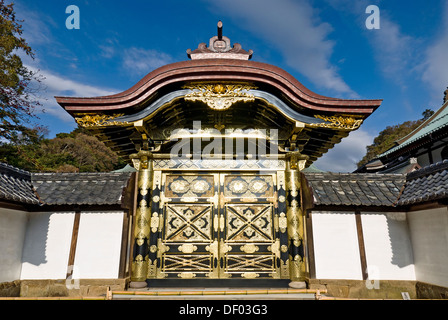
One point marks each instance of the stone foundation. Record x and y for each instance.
(430, 291)
(62, 288)
(358, 289)
(348, 289)
(10, 289)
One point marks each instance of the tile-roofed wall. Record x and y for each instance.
(15, 185)
(355, 189)
(427, 184)
(328, 189)
(80, 188)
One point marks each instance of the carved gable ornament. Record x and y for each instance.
(219, 96)
(219, 48)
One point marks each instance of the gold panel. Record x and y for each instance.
(229, 231)
(189, 186)
(248, 186)
(249, 222)
(188, 222)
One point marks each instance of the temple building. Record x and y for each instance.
(219, 192)
(424, 146)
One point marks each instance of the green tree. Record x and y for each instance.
(387, 138)
(427, 114)
(78, 151)
(17, 97)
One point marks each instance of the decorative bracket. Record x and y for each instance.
(297, 160)
(338, 122)
(99, 120)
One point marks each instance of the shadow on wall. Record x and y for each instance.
(36, 238)
(47, 236)
(400, 239)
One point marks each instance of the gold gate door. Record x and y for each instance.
(220, 226)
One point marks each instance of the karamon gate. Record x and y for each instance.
(218, 142)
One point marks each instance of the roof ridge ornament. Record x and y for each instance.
(219, 48)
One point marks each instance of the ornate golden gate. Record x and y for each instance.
(222, 225)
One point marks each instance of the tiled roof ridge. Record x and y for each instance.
(348, 174)
(14, 171)
(16, 185)
(355, 189)
(426, 184)
(439, 166)
(75, 175)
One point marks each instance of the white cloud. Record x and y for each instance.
(141, 61)
(394, 51)
(36, 29)
(344, 156)
(54, 85)
(294, 28)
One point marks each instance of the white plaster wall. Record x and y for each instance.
(99, 245)
(388, 246)
(12, 237)
(336, 249)
(47, 245)
(429, 235)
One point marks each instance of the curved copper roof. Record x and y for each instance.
(218, 70)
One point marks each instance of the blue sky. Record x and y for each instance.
(323, 43)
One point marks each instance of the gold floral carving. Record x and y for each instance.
(249, 248)
(219, 96)
(283, 222)
(250, 275)
(186, 275)
(275, 248)
(99, 120)
(154, 222)
(338, 122)
(187, 248)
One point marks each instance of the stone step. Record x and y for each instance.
(216, 293)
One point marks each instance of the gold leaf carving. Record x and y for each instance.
(275, 247)
(154, 222)
(338, 122)
(219, 96)
(213, 248)
(186, 275)
(250, 275)
(249, 248)
(283, 222)
(99, 120)
(224, 248)
(187, 248)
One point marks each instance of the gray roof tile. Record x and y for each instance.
(355, 189)
(350, 189)
(15, 185)
(427, 184)
(80, 188)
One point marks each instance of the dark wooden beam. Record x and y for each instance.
(362, 248)
(74, 241)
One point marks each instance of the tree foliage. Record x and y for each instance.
(17, 99)
(22, 142)
(77, 151)
(387, 138)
